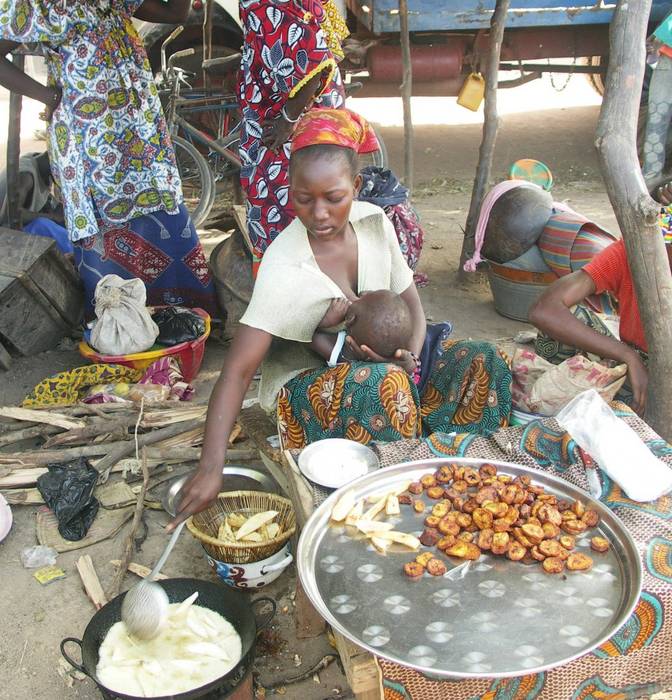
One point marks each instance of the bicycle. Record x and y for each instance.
(201, 175)
(199, 184)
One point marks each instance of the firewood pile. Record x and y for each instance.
(111, 436)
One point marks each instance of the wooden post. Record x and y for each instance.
(490, 128)
(208, 15)
(14, 152)
(406, 92)
(636, 212)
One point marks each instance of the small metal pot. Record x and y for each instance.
(237, 610)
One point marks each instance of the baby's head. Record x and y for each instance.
(381, 320)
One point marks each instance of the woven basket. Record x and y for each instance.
(204, 526)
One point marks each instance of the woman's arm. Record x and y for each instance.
(171, 12)
(412, 299)
(278, 131)
(248, 349)
(551, 314)
(16, 80)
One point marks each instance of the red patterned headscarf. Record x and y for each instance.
(334, 127)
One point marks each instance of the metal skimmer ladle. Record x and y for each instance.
(145, 606)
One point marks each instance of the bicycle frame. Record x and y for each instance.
(222, 148)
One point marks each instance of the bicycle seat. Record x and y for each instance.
(351, 88)
(221, 62)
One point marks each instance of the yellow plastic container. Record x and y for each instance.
(472, 92)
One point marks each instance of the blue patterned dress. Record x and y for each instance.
(110, 150)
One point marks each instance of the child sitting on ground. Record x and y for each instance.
(380, 320)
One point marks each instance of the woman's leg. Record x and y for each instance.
(469, 389)
(360, 401)
(161, 249)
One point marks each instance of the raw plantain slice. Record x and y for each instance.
(255, 522)
(273, 530)
(392, 505)
(381, 545)
(253, 537)
(343, 506)
(225, 532)
(375, 497)
(375, 509)
(355, 513)
(404, 538)
(236, 520)
(367, 526)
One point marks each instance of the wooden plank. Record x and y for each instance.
(23, 497)
(361, 669)
(49, 417)
(299, 489)
(138, 569)
(240, 217)
(5, 358)
(308, 622)
(91, 581)
(257, 425)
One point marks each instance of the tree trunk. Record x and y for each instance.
(406, 92)
(490, 128)
(616, 142)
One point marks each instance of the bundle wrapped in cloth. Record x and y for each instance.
(124, 324)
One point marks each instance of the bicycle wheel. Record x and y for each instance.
(198, 183)
(377, 158)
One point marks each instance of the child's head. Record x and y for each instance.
(381, 320)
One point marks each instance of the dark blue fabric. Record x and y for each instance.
(436, 334)
(50, 229)
(381, 187)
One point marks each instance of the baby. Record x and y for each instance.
(380, 320)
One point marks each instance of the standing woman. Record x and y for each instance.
(287, 64)
(110, 151)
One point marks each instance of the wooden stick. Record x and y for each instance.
(127, 551)
(14, 151)
(490, 128)
(97, 426)
(406, 93)
(124, 449)
(38, 458)
(23, 497)
(51, 418)
(138, 570)
(12, 436)
(91, 582)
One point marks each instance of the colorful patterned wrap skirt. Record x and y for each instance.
(161, 249)
(468, 390)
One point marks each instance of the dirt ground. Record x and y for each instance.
(36, 618)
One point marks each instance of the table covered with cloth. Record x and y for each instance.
(635, 662)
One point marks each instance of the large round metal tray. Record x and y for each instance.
(503, 618)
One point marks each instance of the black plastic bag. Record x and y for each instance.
(67, 488)
(178, 325)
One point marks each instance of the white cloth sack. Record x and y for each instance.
(616, 447)
(124, 325)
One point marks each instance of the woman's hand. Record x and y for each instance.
(639, 380)
(51, 103)
(402, 358)
(336, 313)
(276, 132)
(198, 492)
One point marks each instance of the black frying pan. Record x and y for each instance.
(233, 606)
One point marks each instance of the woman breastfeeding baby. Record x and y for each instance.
(339, 325)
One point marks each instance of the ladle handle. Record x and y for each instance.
(166, 552)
